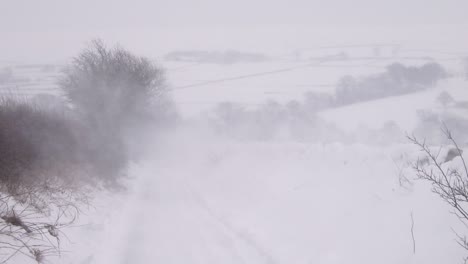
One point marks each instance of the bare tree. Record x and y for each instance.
(449, 182)
(119, 96)
(111, 85)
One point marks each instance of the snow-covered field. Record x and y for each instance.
(202, 198)
(229, 202)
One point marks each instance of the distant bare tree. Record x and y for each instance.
(445, 99)
(397, 79)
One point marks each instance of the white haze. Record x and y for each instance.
(235, 190)
(59, 29)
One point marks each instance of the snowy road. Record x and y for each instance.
(274, 204)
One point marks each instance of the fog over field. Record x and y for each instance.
(233, 131)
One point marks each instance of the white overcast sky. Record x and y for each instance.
(86, 14)
(56, 23)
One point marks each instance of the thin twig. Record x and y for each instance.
(412, 233)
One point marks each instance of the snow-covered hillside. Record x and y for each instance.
(200, 197)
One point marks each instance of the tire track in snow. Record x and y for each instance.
(243, 236)
(166, 203)
(165, 219)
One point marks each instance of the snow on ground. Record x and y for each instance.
(203, 199)
(400, 109)
(277, 202)
(197, 87)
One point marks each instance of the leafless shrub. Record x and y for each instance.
(35, 232)
(52, 156)
(34, 144)
(112, 86)
(449, 182)
(119, 96)
(44, 171)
